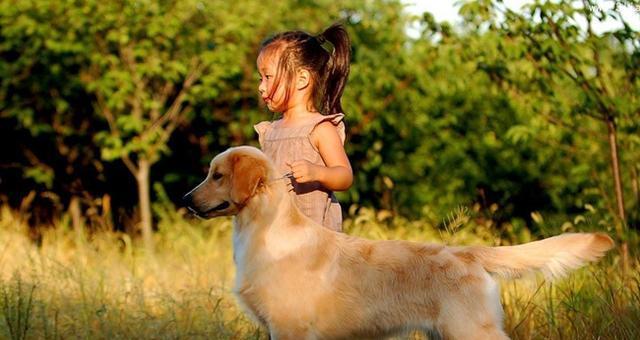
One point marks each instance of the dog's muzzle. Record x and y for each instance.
(187, 201)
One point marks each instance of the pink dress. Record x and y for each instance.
(287, 144)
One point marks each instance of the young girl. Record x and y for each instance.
(303, 77)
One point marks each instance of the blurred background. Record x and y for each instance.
(512, 109)
(468, 122)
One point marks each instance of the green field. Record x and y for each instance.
(105, 287)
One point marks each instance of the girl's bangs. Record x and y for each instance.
(284, 72)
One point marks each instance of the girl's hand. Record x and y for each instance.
(304, 171)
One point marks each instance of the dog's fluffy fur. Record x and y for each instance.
(303, 281)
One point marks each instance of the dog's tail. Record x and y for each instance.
(554, 256)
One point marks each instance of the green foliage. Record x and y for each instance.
(145, 58)
(567, 83)
(496, 113)
(40, 175)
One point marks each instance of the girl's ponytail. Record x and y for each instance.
(335, 41)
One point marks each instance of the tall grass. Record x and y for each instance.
(105, 287)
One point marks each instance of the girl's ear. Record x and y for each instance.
(303, 80)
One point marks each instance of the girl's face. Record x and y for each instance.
(267, 68)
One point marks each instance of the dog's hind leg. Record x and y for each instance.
(478, 323)
(476, 313)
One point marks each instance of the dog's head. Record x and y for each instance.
(233, 179)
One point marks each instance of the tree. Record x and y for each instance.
(599, 68)
(41, 97)
(150, 62)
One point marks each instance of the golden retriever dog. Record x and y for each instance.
(303, 281)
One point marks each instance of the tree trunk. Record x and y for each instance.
(621, 226)
(107, 216)
(144, 200)
(615, 168)
(76, 219)
(635, 184)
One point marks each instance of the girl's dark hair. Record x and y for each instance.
(326, 57)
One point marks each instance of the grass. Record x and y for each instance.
(107, 288)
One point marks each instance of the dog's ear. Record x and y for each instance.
(247, 174)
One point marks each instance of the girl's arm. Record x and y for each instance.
(337, 175)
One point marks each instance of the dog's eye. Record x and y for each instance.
(216, 176)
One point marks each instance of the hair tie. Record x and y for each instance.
(325, 44)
